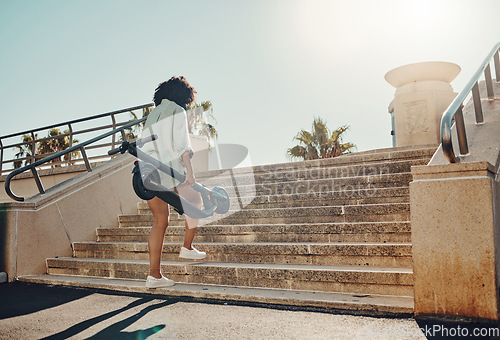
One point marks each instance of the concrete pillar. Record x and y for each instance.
(423, 92)
(200, 147)
(455, 240)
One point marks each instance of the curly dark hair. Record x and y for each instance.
(176, 89)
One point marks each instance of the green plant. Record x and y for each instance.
(198, 117)
(25, 150)
(56, 141)
(320, 143)
(134, 132)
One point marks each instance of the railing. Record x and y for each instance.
(455, 108)
(81, 147)
(30, 144)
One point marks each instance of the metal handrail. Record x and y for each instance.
(72, 132)
(79, 147)
(454, 110)
(101, 115)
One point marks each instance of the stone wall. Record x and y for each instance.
(46, 225)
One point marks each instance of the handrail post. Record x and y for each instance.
(85, 159)
(446, 140)
(478, 109)
(37, 180)
(489, 83)
(70, 142)
(124, 135)
(33, 148)
(497, 65)
(462, 136)
(1, 156)
(113, 137)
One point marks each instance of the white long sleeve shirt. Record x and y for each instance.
(169, 122)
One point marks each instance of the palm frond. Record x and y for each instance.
(305, 137)
(337, 134)
(297, 152)
(347, 147)
(320, 143)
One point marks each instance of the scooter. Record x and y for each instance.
(147, 185)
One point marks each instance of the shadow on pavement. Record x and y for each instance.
(19, 298)
(22, 298)
(115, 331)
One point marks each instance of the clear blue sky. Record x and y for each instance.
(268, 66)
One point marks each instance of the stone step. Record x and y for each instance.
(346, 197)
(359, 304)
(326, 211)
(228, 178)
(323, 185)
(373, 156)
(323, 214)
(319, 185)
(353, 254)
(381, 232)
(348, 279)
(349, 190)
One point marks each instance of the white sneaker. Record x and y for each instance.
(153, 282)
(192, 254)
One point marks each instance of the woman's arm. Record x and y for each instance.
(190, 180)
(182, 145)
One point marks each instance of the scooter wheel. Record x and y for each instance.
(148, 171)
(222, 203)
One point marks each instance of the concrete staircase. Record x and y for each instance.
(331, 233)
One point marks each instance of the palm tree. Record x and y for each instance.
(320, 143)
(133, 132)
(198, 116)
(56, 142)
(25, 150)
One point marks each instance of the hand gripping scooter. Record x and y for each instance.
(147, 184)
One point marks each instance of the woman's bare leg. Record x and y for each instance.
(189, 233)
(161, 214)
(191, 224)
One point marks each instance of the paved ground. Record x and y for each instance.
(31, 311)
